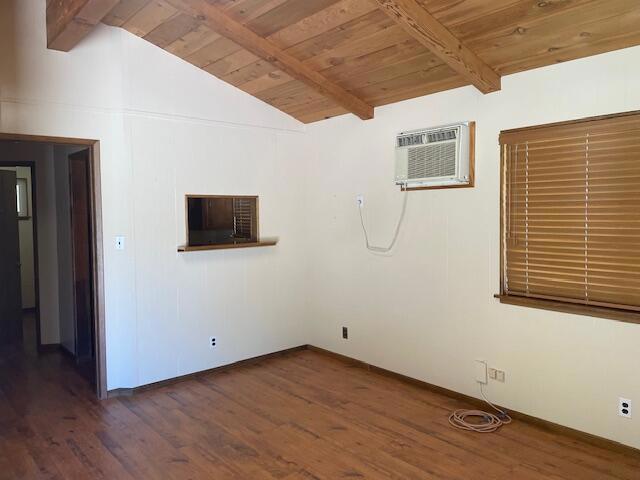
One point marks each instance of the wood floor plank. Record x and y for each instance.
(520, 433)
(304, 415)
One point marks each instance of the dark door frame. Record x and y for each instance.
(96, 244)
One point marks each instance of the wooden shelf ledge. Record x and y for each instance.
(269, 242)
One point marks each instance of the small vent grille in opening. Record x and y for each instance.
(410, 140)
(442, 135)
(430, 161)
(242, 217)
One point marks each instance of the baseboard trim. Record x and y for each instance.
(476, 402)
(120, 392)
(127, 392)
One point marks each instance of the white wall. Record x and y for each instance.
(208, 138)
(167, 128)
(250, 300)
(428, 311)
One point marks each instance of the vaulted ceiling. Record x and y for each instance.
(315, 59)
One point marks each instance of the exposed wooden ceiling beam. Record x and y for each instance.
(226, 26)
(69, 21)
(426, 29)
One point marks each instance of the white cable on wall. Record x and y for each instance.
(375, 248)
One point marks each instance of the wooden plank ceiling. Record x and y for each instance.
(359, 48)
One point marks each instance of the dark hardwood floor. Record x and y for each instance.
(304, 415)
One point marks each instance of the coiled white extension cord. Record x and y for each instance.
(374, 248)
(488, 422)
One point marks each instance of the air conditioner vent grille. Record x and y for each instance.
(410, 140)
(442, 135)
(431, 161)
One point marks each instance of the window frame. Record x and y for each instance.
(22, 195)
(255, 222)
(553, 304)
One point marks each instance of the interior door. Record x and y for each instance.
(10, 294)
(81, 256)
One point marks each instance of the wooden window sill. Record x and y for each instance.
(566, 307)
(223, 246)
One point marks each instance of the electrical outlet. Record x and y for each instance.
(624, 407)
(345, 333)
(360, 200)
(212, 342)
(495, 374)
(119, 242)
(481, 372)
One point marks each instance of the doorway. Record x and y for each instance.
(64, 206)
(18, 299)
(11, 292)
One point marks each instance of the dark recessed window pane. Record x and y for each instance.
(216, 220)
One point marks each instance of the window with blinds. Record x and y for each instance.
(571, 214)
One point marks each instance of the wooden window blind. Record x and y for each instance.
(243, 216)
(571, 213)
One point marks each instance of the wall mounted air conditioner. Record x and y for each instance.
(432, 157)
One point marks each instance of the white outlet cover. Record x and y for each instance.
(360, 200)
(119, 242)
(624, 404)
(481, 372)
